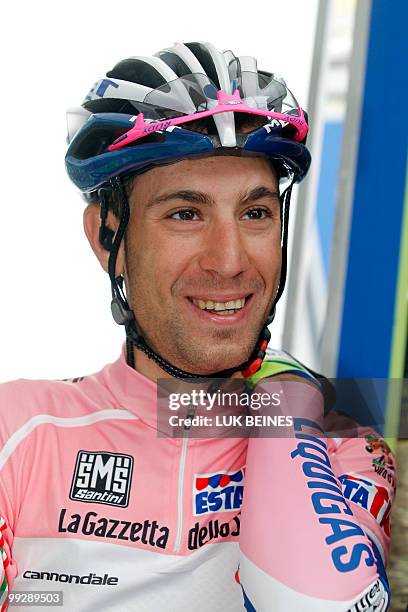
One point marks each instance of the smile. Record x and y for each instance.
(220, 308)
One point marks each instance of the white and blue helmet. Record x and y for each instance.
(178, 81)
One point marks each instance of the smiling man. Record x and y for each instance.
(187, 161)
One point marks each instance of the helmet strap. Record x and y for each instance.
(285, 206)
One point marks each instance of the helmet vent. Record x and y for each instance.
(137, 71)
(175, 63)
(206, 61)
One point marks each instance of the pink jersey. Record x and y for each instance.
(95, 504)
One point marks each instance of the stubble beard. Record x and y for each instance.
(194, 352)
(221, 350)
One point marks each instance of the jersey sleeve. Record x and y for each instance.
(6, 566)
(315, 520)
(12, 449)
(366, 469)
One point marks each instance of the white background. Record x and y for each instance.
(55, 316)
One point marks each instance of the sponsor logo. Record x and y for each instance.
(331, 509)
(293, 119)
(275, 123)
(369, 495)
(384, 464)
(148, 532)
(103, 86)
(99, 89)
(160, 125)
(385, 473)
(90, 578)
(376, 596)
(377, 445)
(198, 536)
(219, 492)
(102, 478)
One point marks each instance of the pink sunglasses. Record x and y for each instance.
(226, 103)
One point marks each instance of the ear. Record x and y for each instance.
(92, 223)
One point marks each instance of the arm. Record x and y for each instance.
(303, 544)
(366, 469)
(10, 476)
(6, 566)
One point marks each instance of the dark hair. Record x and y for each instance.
(113, 198)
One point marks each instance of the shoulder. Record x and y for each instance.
(23, 401)
(283, 365)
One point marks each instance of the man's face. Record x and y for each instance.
(203, 258)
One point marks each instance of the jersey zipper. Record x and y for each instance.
(182, 465)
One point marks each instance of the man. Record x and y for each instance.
(187, 160)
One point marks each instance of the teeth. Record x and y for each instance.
(220, 306)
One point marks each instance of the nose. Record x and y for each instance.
(224, 250)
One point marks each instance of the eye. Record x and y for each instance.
(186, 214)
(257, 214)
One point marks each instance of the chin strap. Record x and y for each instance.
(123, 315)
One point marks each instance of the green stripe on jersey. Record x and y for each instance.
(273, 367)
(4, 586)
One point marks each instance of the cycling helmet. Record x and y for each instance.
(145, 112)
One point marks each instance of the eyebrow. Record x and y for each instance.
(199, 197)
(257, 193)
